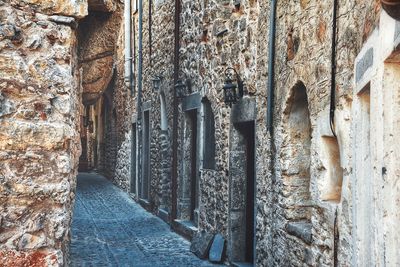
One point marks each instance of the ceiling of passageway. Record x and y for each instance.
(101, 5)
(98, 34)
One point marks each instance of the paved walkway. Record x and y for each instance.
(110, 229)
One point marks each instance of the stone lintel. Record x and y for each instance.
(244, 111)
(191, 102)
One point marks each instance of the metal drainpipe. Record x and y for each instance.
(150, 33)
(332, 121)
(128, 50)
(139, 91)
(175, 116)
(271, 66)
(270, 99)
(333, 70)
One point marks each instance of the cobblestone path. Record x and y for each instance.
(110, 229)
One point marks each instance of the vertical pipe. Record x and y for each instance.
(150, 32)
(270, 97)
(139, 92)
(333, 70)
(175, 115)
(133, 50)
(128, 50)
(271, 66)
(332, 122)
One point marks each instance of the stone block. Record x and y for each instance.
(301, 230)
(185, 228)
(364, 64)
(245, 110)
(217, 249)
(78, 9)
(201, 244)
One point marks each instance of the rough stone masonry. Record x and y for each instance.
(305, 197)
(40, 100)
(320, 199)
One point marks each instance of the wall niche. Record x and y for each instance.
(295, 162)
(331, 186)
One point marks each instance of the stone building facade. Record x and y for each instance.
(317, 187)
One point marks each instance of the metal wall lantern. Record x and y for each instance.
(156, 80)
(180, 89)
(232, 91)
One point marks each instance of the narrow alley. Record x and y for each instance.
(186, 133)
(110, 229)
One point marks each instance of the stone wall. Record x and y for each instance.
(304, 30)
(375, 192)
(304, 198)
(160, 63)
(39, 121)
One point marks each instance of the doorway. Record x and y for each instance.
(242, 193)
(189, 182)
(194, 181)
(133, 160)
(145, 180)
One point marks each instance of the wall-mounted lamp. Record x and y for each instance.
(180, 89)
(232, 91)
(156, 80)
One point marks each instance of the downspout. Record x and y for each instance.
(139, 92)
(270, 97)
(332, 123)
(128, 50)
(271, 66)
(175, 116)
(150, 33)
(333, 71)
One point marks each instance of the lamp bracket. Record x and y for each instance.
(239, 80)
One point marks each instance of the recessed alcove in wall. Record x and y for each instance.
(296, 155)
(165, 159)
(331, 186)
(164, 117)
(295, 161)
(145, 173)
